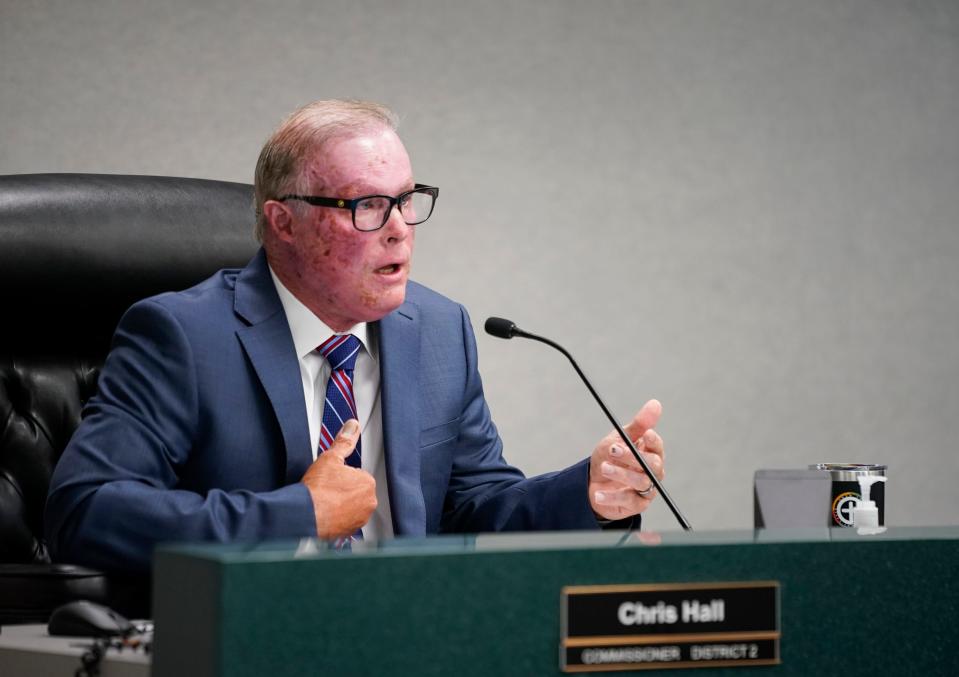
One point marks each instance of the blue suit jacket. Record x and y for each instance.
(199, 432)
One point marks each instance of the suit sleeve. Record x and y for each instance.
(488, 494)
(114, 493)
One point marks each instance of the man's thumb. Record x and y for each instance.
(345, 440)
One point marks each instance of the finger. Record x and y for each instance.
(653, 443)
(623, 500)
(619, 455)
(654, 462)
(635, 480)
(633, 476)
(645, 418)
(345, 440)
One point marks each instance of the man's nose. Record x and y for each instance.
(395, 228)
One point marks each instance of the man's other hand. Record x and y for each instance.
(616, 478)
(343, 497)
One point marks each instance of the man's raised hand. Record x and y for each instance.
(618, 486)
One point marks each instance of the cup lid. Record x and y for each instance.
(861, 467)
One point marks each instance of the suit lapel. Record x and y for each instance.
(399, 339)
(269, 345)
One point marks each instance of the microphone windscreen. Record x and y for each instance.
(500, 328)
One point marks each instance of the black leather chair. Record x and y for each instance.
(75, 251)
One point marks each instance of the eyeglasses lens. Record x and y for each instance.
(417, 206)
(372, 213)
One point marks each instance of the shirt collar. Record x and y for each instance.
(307, 329)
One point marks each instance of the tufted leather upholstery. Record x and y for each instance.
(75, 251)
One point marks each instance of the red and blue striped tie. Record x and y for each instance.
(340, 351)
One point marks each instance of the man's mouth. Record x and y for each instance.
(388, 269)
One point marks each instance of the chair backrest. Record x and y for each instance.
(75, 251)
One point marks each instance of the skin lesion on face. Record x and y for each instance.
(326, 236)
(318, 175)
(370, 299)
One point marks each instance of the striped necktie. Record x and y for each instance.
(340, 351)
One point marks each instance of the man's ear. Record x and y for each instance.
(279, 219)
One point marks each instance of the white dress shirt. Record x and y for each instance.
(309, 332)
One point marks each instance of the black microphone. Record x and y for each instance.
(500, 328)
(505, 329)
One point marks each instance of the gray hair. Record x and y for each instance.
(301, 134)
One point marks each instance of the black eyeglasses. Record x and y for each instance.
(371, 212)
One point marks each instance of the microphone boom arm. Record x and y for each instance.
(510, 330)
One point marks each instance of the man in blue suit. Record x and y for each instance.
(211, 420)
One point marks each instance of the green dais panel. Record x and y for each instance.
(483, 606)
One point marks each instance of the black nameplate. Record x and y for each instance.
(669, 625)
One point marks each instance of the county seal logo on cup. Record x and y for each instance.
(845, 490)
(842, 506)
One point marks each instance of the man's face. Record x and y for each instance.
(343, 275)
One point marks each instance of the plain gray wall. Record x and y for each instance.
(746, 208)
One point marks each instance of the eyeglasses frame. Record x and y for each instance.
(350, 203)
